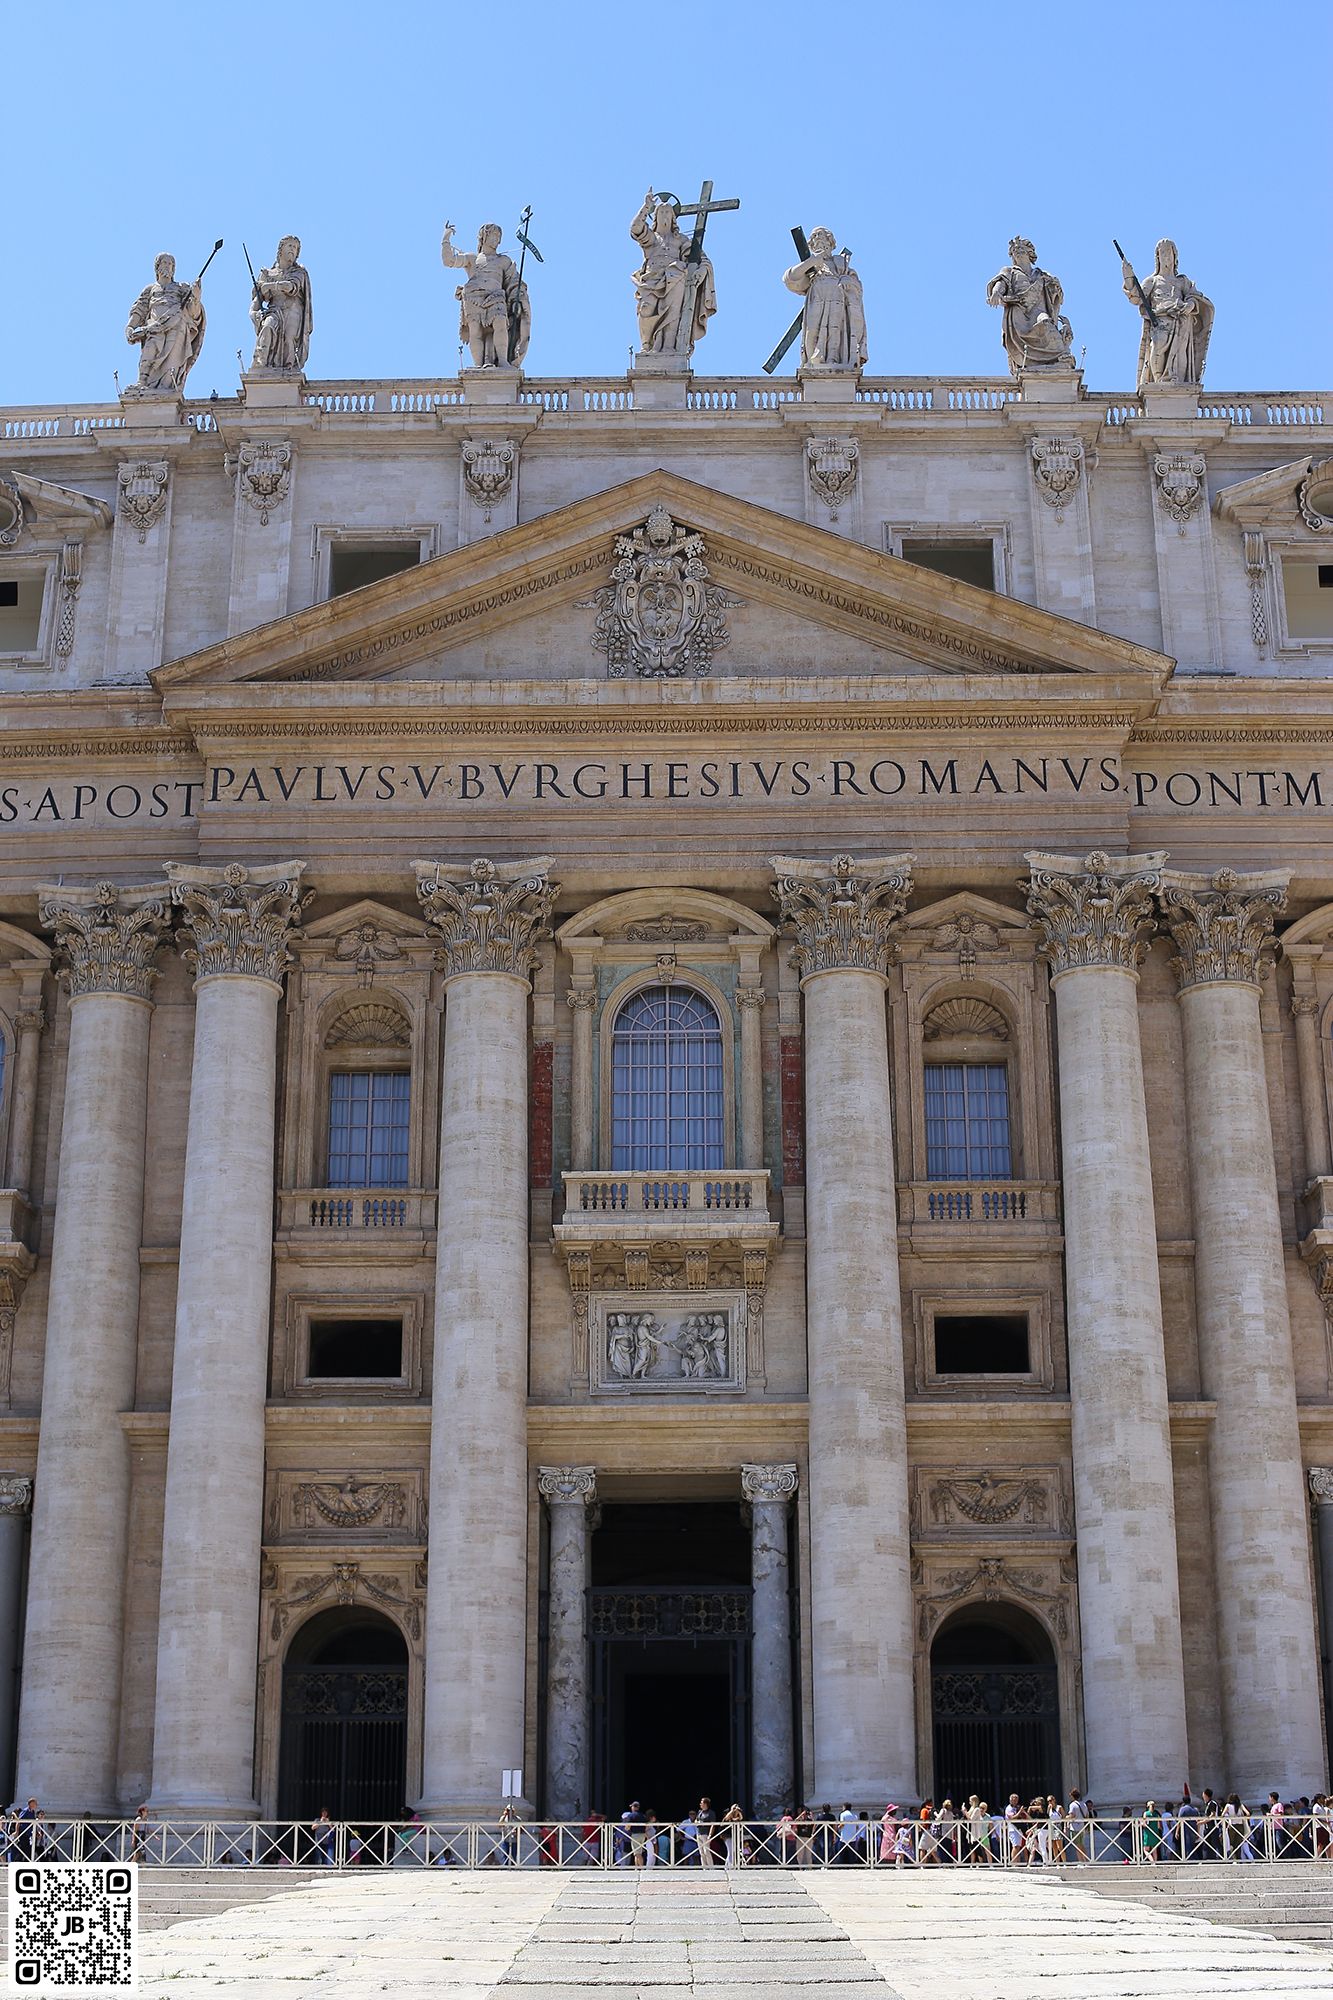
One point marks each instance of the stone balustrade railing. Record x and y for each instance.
(339, 1211)
(651, 1198)
(979, 1203)
(911, 398)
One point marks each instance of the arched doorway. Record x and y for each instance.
(344, 1718)
(995, 1706)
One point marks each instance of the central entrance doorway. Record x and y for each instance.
(995, 1707)
(344, 1719)
(669, 1628)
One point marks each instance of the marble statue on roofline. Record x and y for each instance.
(673, 298)
(280, 311)
(1177, 322)
(833, 324)
(1035, 332)
(495, 313)
(166, 324)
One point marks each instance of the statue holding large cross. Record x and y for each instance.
(674, 293)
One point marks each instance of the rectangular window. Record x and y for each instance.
(1307, 590)
(368, 1128)
(352, 565)
(967, 1122)
(981, 1344)
(343, 1349)
(970, 562)
(20, 613)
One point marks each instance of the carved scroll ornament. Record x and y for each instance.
(108, 937)
(841, 912)
(769, 1482)
(240, 920)
(1097, 911)
(1222, 924)
(488, 923)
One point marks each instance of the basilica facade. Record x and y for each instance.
(667, 1070)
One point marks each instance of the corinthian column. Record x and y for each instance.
(569, 1491)
(1096, 915)
(70, 1713)
(476, 1600)
(841, 914)
(769, 1490)
(1222, 925)
(239, 921)
(1321, 1492)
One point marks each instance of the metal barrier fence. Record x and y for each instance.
(990, 1841)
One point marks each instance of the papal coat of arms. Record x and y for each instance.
(660, 616)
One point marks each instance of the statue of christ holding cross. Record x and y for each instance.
(674, 293)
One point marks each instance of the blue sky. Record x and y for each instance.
(925, 138)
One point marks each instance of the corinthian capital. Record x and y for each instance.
(1222, 923)
(1094, 911)
(239, 919)
(768, 1482)
(576, 1484)
(489, 922)
(1321, 1482)
(841, 912)
(108, 936)
(15, 1494)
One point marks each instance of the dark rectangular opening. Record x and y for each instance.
(970, 562)
(350, 1348)
(1326, 576)
(350, 567)
(9, 594)
(981, 1344)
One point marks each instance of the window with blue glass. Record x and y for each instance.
(368, 1128)
(967, 1122)
(667, 1104)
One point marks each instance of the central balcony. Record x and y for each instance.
(698, 1194)
(692, 1228)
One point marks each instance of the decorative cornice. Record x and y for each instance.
(240, 919)
(769, 1482)
(488, 923)
(1222, 923)
(567, 1484)
(108, 937)
(1097, 911)
(1321, 1483)
(841, 912)
(15, 1495)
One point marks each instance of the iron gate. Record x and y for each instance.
(996, 1731)
(344, 1742)
(622, 1621)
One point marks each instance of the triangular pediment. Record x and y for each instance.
(404, 627)
(1288, 499)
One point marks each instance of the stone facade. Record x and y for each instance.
(643, 695)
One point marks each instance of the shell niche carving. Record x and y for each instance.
(369, 1027)
(965, 1016)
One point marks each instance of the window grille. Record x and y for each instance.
(368, 1128)
(967, 1122)
(667, 1109)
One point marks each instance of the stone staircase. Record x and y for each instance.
(179, 1895)
(1287, 1899)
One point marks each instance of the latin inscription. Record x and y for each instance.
(576, 783)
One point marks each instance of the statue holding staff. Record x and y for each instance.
(166, 324)
(833, 325)
(495, 315)
(280, 311)
(1177, 321)
(674, 297)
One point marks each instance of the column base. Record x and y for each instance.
(169, 1809)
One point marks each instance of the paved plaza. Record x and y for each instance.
(660, 1936)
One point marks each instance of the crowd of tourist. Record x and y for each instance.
(1043, 1833)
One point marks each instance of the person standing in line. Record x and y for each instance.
(734, 1819)
(848, 1828)
(688, 1829)
(1015, 1822)
(323, 1835)
(786, 1838)
(806, 1829)
(705, 1817)
(1055, 1815)
(888, 1837)
(1275, 1844)
(1077, 1815)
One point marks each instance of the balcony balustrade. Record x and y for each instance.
(335, 1213)
(1000, 1206)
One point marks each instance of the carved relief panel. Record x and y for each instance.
(1018, 1501)
(305, 1506)
(652, 1343)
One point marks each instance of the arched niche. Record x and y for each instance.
(343, 1734)
(995, 1705)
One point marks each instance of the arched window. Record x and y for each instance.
(667, 1103)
